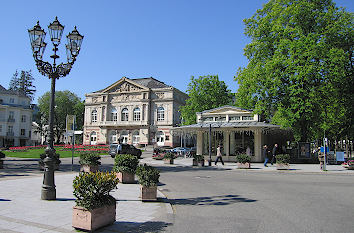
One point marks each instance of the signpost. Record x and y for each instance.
(70, 130)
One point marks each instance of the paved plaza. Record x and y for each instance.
(22, 210)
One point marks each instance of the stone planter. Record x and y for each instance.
(88, 168)
(126, 177)
(243, 165)
(91, 220)
(199, 163)
(148, 193)
(168, 161)
(282, 166)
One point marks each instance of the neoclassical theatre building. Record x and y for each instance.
(135, 111)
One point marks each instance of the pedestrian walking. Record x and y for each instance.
(218, 155)
(266, 155)
(274, 153)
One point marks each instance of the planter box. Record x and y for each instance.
(244, 165)
(282, 166)
(148, 193)
(88, 168)
(126, 177)
(91, 220)
(168, 161)
(198, 163)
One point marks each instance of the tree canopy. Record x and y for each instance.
(205, 92)
(23, 83)
(300, 70)
(66, 103)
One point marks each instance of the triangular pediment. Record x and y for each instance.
(229, 110)
(124, 85)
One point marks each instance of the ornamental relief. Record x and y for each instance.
(125, 97)
(126, 87)
(160, 95)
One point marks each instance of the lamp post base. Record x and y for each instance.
(209, 162)
(48, 193)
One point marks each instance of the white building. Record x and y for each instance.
(15, 119)
(136, 111)
(237, 130)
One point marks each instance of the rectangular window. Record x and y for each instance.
(23, 132)
(11, 115)
(0, 128)
(247, 118)
(104, 98)
(136, 115)
(234, 118)
(23, 118)
(10, 129)
(12, 100)
(208, 119)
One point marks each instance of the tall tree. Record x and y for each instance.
(23, 83)
(300, 70)
(205, 92)
(66, 103)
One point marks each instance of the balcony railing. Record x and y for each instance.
(11, 120)
(10, 134)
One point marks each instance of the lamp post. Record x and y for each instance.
(53, 71)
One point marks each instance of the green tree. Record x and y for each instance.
(300, 70)
(23, 83)
(66, 103)
(205, 92)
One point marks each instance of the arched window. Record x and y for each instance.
(160, 114)
(136, 114)
(113, 137)
(160, 138)
(125, 114)
(114, 115)
(136, 137)
(94, 116)
(93, 138)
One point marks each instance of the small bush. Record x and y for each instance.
(92, 189)
(243, 158)
(125, 163)
(283, 158)
(2, 155)
(147, 175)
(169, 155)
(198, 157)
(55, 157)
(90, 158)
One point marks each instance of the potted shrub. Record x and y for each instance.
(243, 161)
(349, 164)
(89, 161)
(168, 158)
(125, 165)
(148, 177)
(2, 155)
(282, 161)
(55, 157)
(95, 207)
(198, 160)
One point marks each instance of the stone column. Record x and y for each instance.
(257, 146)
(232, 143)
(227, 144)
(199, 142)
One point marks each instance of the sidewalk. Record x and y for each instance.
(259, 167)
(22, 210)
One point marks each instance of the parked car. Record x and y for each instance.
(124, 149)
(180, 150)
(160, 149)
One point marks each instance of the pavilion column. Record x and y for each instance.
(232, 143)
(227, 144)
(257, 146)
(200, 142)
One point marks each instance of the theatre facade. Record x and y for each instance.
(237, 130)
(134, 111)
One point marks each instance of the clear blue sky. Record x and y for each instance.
(168, 40)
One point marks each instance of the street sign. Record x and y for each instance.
(70, 123)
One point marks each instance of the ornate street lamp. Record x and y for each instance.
(53, 71)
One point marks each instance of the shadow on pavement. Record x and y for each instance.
(150, 226)
(213, 200)
(4, 199)
(188, 168)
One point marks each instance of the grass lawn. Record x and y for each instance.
(34, 153)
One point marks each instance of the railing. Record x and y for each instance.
(10, 134)
(11, 120)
